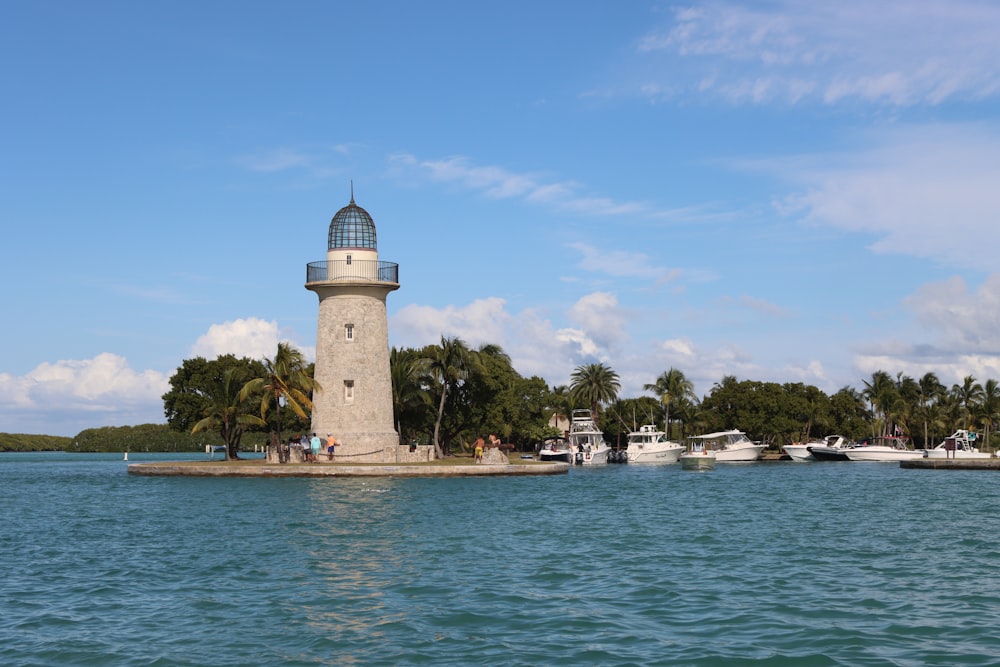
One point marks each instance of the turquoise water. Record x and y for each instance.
(761, 564)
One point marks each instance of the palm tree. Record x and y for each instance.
(286, 380)
(881, 393)
(930, 392)
(406, 367)
(988, 408)
(968, 394)
(594, 384)
(227, 410)
(449, 364)
(669, 386)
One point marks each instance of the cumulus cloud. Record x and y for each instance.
(535, 345)
(928, 191)
(896, 52)
(958, 334)
(64, 397)
(250, 337)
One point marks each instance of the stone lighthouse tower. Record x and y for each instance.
(352, 341)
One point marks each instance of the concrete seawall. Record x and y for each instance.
(952, 464)
(261, 469)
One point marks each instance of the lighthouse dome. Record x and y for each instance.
(352, 227)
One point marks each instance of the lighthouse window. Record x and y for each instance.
(348, 332)
(348, 260)
(348, 391)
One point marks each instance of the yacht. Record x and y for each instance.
(649, 445)
(958, 445)
(731, 446)
(586, 441)
(887, 448)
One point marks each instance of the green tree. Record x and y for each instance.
(967, 394)
(195, 381)
(929, 394)
(450, 364)
(594, 385)
(670, 385)
(286, 379)
(880, 391)
(409, 398)
(988, 409)
(227, 411)
(848, 414)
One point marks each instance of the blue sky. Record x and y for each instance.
(783, 191)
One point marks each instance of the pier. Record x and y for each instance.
(259, 468)
(952, 464)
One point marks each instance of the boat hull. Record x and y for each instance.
(561, 457)
(829, 454)
(596, 457)
(749, 453)
(883, 454)
(799, 453)
(957, 454)
(697, 461)
(662, 456)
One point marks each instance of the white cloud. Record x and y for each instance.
(65, 397)
(928, 191)
(899, 52)
(622, 264)
(535, 346)
(964, 321)
(499, 183)
(250, 337)
(957, 334)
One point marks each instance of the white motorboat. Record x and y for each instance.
(731, 446)
(698, 456)
(887, 448)
(586, 441)
(555, 449)
(649, 445)
(799, 451)
(830, 449)
(833, 448)
(958, 445)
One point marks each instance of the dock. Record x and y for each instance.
(952, 464)
(259, 468)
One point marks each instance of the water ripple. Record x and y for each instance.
(815, 565)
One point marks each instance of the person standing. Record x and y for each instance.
(314, 446)
(331, 446)
(479, 450)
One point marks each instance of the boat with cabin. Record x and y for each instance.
(958, 445)
(554, 449)
(586, 441)
(699, 456)
(650, 445)
(731, 446)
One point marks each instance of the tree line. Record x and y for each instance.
(448, 394)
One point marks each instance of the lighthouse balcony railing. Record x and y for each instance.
(352, 271)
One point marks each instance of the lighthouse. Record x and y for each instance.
(354, 401)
